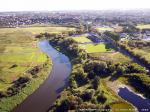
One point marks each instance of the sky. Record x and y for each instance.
(53, 5)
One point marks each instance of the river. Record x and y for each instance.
(141, 103)
(47, 93)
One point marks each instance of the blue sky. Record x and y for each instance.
(50, 5)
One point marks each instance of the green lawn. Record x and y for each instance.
(94, 48)
(81, 39)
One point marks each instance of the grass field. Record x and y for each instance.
(103, 29)
(36, 30)
(81, 39)
(144, 52)
(122, 107)
(18, 54)
(109, 56)
(140, 26)
(94, 48)
(17, 49)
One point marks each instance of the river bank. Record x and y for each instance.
(7, 104)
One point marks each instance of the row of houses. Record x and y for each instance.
(135, 36)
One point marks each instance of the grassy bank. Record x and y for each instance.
(7, 104)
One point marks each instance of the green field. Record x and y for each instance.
(17, 48)
(142, 26)
(37, 30)
(122, 107)
(144, 52)
(19, 53)
(94, 48)
(81, 39)
(103, 29)
(109, 56)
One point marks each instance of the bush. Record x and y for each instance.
(96, 82)
(2, 94)
(87, 96)
(18, 84)
(141, 82)
(35, 70)
(101, 98)
(13, 66)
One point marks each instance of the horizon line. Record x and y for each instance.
(76, 10)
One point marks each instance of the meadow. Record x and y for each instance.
(19, 54)
(37, 30)
(144, 52)
(103, 29)
(81, 39)
(142, 26)
(20, 50)
(109, 56)
(95, 48)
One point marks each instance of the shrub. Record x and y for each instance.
(101, 98)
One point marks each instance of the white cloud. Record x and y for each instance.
(20, 5)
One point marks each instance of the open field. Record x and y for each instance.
(121, 107)
(108, 56)
(140, 26)
(37, 30)
(20, 50)
(19, 53)
(144, 52)
(103, 29)
(94, 48)
(81, 39)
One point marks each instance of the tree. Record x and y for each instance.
(96, 82)
(101, 98)
(81, 77)
(112, 35)
(120, 70)
(64, 106)
(101, 68)
(73, 84)
(98, 68)
(87, 96)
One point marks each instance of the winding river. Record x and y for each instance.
(47, 93)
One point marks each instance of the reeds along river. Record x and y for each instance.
(47, 93)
